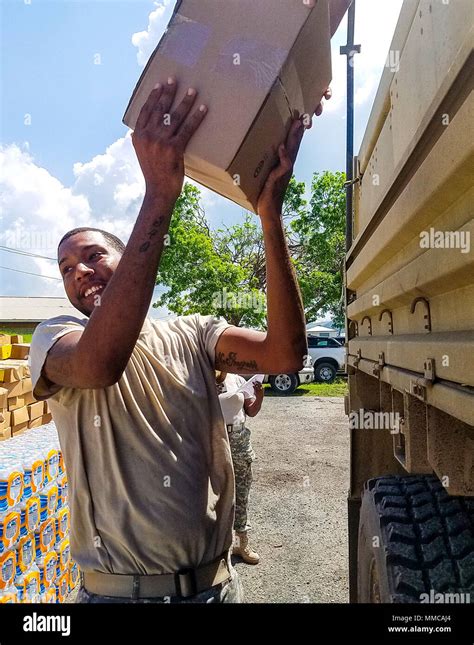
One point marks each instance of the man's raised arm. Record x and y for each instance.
(97, 356)
(283, 347)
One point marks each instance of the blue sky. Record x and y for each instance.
(66, 157)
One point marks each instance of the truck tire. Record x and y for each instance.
(325, 372)
(414, 539)
(284, 383)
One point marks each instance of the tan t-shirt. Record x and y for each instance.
(151, 484)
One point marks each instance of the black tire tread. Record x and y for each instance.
(428, 536)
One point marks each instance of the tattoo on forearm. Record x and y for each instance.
(231, 361)
(151, 233)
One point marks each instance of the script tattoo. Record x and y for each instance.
(231, 361)
(151, 233)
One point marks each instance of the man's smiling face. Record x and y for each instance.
(87, 261)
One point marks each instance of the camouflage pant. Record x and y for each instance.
(242, 457)
(226, 592)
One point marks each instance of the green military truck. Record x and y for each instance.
(410, 319)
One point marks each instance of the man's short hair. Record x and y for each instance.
(112, 239)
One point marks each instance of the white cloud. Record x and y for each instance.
(146, 41)
(36, 209)
(114, 186)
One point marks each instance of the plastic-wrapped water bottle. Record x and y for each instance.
(28, 585)
(11, 484)
(48, 500)
(25, 553)
(9, 595)
(45, 537)
(62, 586)
(47, 564)
(62, 489)
(74, 574)
(62, 519)
(52, 465)
(29, 515)
(33, 467)
(7, 569)
(10, 522)
(49, 595)
(63, 550)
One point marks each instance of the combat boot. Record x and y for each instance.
(243, 549)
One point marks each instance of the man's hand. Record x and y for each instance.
(252, 406)
(160, 139)
(273, 193)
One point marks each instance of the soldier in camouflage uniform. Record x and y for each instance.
(235, 406)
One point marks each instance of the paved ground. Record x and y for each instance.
(298, 502)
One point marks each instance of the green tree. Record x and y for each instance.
(222, 272)
(319, 247)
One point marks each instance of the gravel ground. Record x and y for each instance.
(298, 502)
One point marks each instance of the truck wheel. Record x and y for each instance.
(415, 540)
(284, 383)
(325, 373)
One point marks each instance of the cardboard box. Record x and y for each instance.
(35, 410)
(5, 351)
(20, 416)
(10, 372)
(29, 398)
(5, 339)
(19, 429)
(3, 397)
(14, 389)
(5, 417)
(20, 351)
(15, 402)
(27, 386)
(40, 421)
(17, 338)
(5, 434)
(256, 65)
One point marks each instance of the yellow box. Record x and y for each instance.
(5, 351)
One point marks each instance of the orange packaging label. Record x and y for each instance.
(15, 488)
(30, 586)
(37, 476)
(48, 568)
(52, 465)
(62, 522)
(26, 552)
(32, 513)
(46, 535)
(62, 586)
(10, 528)
(7, 568)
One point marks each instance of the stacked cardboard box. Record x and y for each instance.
(19, 410)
